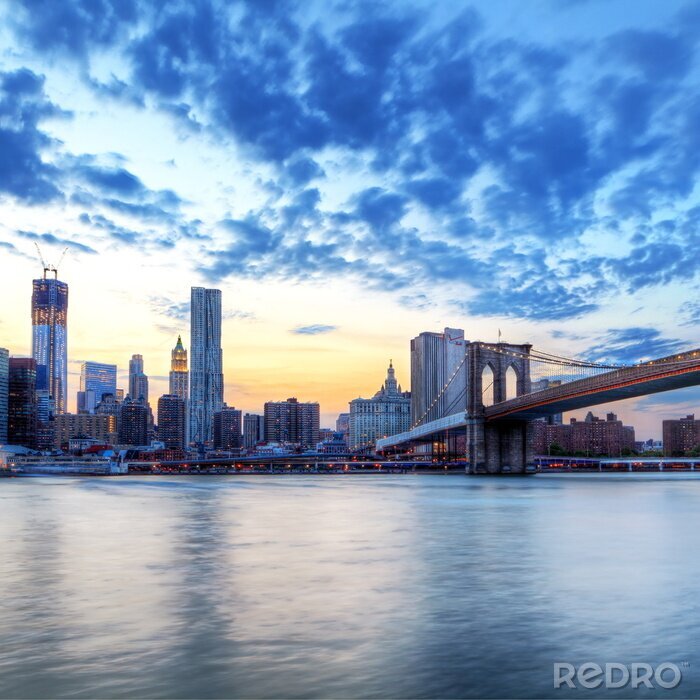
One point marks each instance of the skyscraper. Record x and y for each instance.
(138, 381)
(171, 421)
(435, 357)
(206, 377)
(96, 379)
(4, 388)
(50, 338)
(22, 406)
(178, 371)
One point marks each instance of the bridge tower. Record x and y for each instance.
(496, 372)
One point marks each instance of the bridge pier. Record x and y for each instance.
(499, 448)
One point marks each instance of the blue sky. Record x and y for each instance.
(350, 174)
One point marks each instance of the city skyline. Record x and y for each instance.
(125, 378)
(530, 180)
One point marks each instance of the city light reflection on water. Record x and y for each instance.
(343, 586)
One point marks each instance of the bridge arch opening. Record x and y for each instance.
(511, 383)
(487, 386)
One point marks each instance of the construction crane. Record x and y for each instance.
(48, 267)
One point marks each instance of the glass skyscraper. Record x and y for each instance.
(50, 338)
(4, 389)
(22, 406)
(206, 375)
(96, 379)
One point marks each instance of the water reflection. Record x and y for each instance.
(341, 586)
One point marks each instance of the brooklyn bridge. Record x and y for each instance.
(489, 401)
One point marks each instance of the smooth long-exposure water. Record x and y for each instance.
(343, 586)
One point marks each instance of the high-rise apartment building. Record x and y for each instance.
(96, 380)
(387, 413)
(253, 429)
(22, 406)
(138, 381)
(292, 422)
(681, 436)
(171, 421)
(178, 371)
(4, 390)
(134, 421)
(206, 375)
(227, 429)
(50, 338)
(435, 358)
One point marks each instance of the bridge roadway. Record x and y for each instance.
(664, 374)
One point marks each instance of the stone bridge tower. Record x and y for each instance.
(496, 372)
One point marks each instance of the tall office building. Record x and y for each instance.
(22, 406)
(138, 381)
(96, 380)
(227, 429)
(178, 371)
(50, 338)
(253, 429)
(171, 421)
(292, 422)
(387, 413)
(206, 376)
(4, 389)
(435, 357)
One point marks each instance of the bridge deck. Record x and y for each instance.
(640, 380)
(661, 375)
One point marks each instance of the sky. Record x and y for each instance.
(350, 174)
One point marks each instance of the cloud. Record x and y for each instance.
(71, 27)
(177, 310)
(23, 105)
(467, 156)
(55, 240)
(314, 329)
(632, 345)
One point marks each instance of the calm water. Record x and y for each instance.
(343, 586)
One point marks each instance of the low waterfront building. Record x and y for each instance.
(333, 445)
(387, 413)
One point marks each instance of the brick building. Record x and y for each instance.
(681, 435)
(592, 436)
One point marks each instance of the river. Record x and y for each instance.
(344, 585)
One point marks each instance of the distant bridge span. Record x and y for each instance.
(499, 437)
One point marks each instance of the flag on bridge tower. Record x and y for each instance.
(499, 335)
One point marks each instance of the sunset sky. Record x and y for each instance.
(349, 175)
